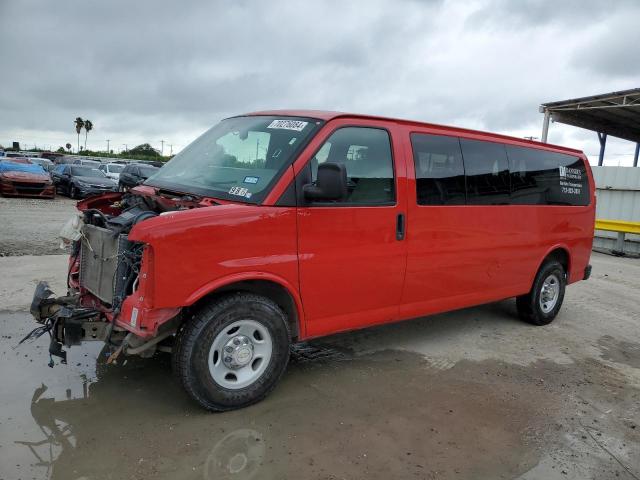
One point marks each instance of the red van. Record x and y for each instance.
(276, 227)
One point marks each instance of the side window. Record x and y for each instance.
(539, 177)
(487, 170)
(439, 170)
(366, 154)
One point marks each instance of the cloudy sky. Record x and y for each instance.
(143, 71)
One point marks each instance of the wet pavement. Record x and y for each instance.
(465, 395)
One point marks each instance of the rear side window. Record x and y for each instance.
(439, 170)
(366, 154)
(487, 170)
(539, 177)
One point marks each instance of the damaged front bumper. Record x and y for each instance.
(65, 320)
(110, 295)
(69, 323)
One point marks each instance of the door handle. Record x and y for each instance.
(401, 226)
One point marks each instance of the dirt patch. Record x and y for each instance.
(31, 226)
(620, 351)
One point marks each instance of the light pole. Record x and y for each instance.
(162, 148)
(126, 148)
(108, 145)
(171, 149)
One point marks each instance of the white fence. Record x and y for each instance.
(618, 198)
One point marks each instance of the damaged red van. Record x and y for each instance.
(277, 227)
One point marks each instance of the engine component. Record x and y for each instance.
(123, 222)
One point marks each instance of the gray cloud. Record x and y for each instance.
(147, 70)
(614, 49)
(536, 13)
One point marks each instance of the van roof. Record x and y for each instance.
(327, 115)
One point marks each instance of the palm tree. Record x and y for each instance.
(88, 126)
(79, 124)
(68, 145)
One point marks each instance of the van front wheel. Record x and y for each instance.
(541, 305)
(233, 351)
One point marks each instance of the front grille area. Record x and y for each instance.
(28, 185)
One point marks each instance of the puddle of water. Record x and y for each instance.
(333, 416)
(392, 414)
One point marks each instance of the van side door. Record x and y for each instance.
(352, 253)
(462, 228)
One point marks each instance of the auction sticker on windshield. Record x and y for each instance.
(241, 191)
(296, 125)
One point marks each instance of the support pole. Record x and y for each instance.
(603, 142)
(545, 126)
(635, 155)
(619, 249)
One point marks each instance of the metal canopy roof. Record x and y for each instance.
(616, 113)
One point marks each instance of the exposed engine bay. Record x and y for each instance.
(109, 263)
(104, 270)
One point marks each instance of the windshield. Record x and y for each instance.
(115, 168)
(86, 172)
(238, 159)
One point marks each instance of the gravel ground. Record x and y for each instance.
(31, 226)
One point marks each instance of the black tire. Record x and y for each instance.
(194, 341)
(73, 192)
(530, 308)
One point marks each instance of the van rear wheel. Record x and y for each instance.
(541, 305)
(233, 351)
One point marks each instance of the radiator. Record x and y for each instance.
(100, 252)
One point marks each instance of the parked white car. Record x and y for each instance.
(112, 170)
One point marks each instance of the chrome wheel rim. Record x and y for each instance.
(240, 354)
(549, 293)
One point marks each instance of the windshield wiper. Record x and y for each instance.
(173, 194)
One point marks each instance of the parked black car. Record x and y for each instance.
(79, 181)
(134, 174)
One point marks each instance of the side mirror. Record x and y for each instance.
(331, 183)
